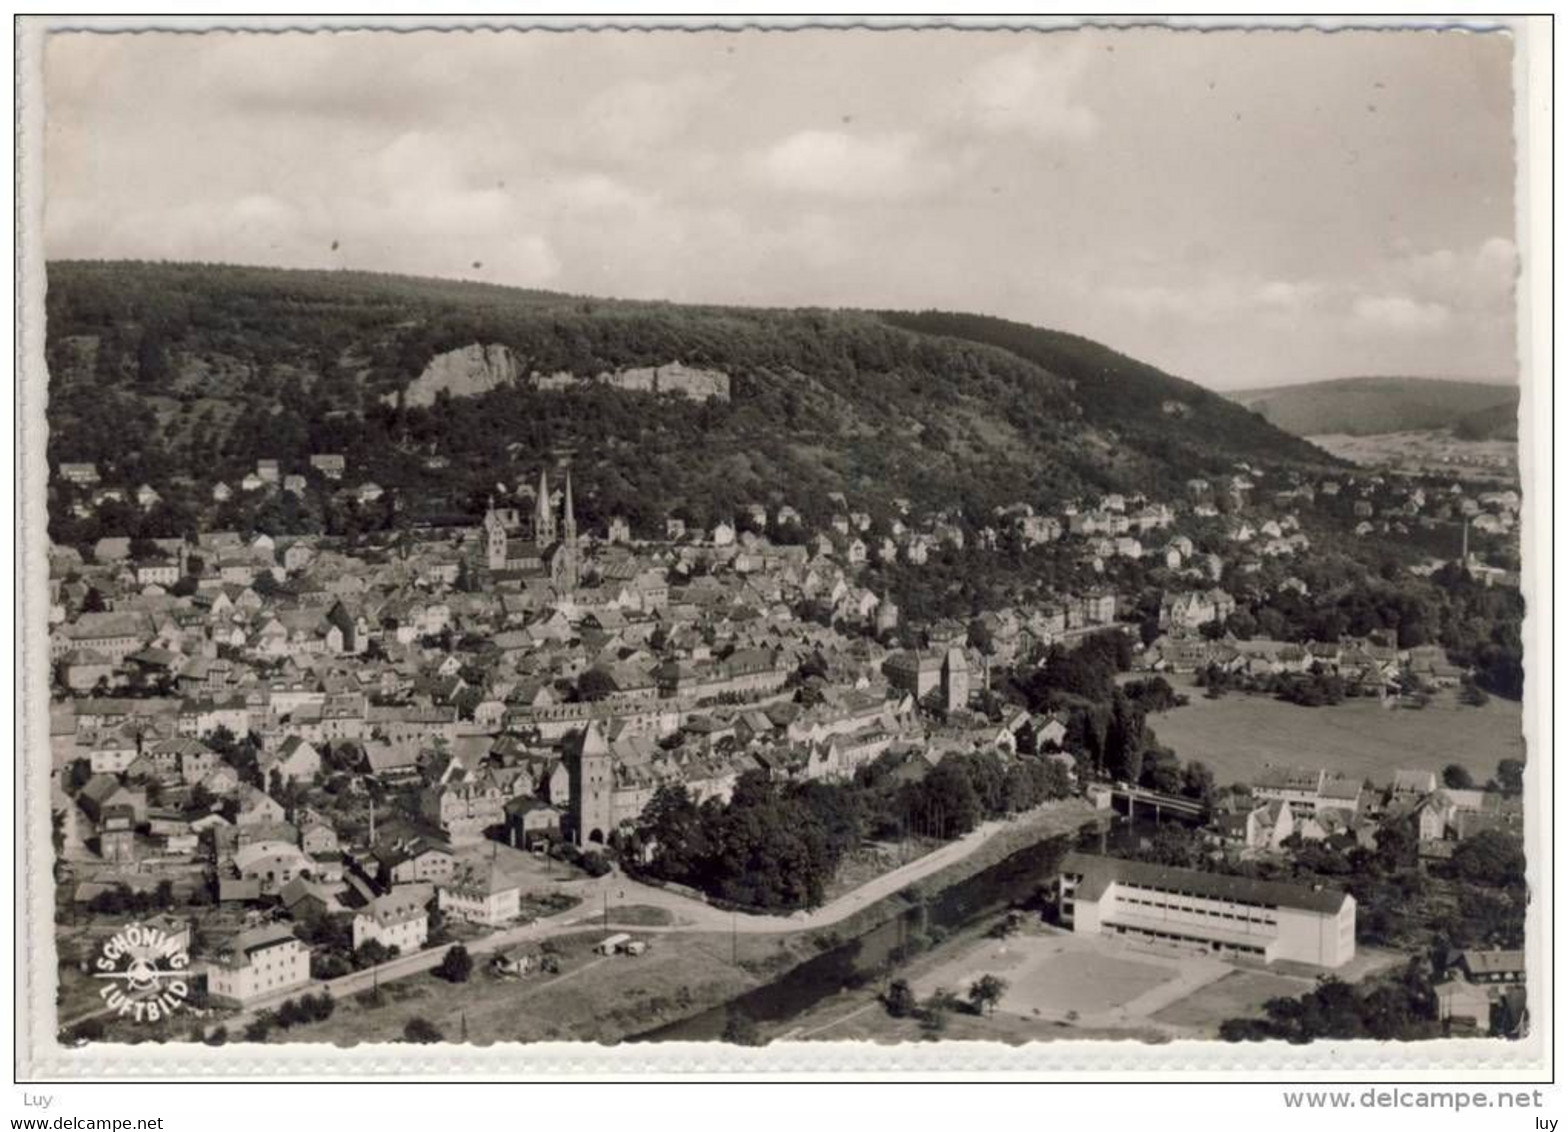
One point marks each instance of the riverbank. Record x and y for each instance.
(1008, 868)
(693, 967)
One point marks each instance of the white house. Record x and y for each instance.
(261, 961)
(397, 919)
(480, 895)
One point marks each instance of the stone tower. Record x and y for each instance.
(955, 680)
(589, 768)
(495, 538)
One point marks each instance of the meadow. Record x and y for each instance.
(1238, 735)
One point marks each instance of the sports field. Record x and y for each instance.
(1083, 982)
(1239, 734)
(1060, 976)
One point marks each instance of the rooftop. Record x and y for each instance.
(1101, 872)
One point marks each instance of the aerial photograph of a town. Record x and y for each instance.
(756, 538)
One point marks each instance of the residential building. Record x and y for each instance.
(258, 962)
(397, 919)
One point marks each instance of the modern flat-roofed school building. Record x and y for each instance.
(1199, 911)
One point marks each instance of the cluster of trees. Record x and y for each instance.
(960, 792)
(777, 845)
(123, 900)
(1477, 625)
(1314, 688)
(1107, 723)
(774, 846)
(292, 1012)
(1153, 694)
(1172, 420)
(1403, 1008)
(983, 997)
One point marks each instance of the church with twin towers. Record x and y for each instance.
(544, 543)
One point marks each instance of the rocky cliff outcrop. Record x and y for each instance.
(697, 384)
(478, 369)
(467, 372)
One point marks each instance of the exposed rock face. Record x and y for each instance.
(478, 369)
(698, 384)
(467, 372)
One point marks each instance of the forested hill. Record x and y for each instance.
(1365, 406)
(184, 375)
(1156, 412)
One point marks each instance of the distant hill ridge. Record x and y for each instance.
(1365, 406)
(184, 375)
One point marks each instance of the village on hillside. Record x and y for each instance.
(321, 765)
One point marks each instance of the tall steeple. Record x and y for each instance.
(569, 523)
(544, 514)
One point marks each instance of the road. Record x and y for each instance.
(601, 896)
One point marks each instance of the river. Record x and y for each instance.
(854, 962)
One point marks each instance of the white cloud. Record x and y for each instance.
(1285, 297)
(1482, 279)
(1401, 314)
(1032, 91)
(1217, 300)
(837, 163)
(637, 118)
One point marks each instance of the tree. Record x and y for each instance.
(371, 953)
(740, 1030)
(1162, 771)
(900, 999)
(1124, 740)
(423, 1031)
(948, 800)
(1456, 777)
(1490, 859)
(1396, 846)
(1197, 781)
(1472, 693)
(985, 992)
(1510, 776)
(456, 965)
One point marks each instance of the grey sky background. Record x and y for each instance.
(1240, 208)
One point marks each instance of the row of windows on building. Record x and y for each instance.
(1178, 937)
(1246, 917)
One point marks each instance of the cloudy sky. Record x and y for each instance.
(1240, 208)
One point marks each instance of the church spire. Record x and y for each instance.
(544, 514)
(569, 523)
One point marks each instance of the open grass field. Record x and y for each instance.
(1239, 734)
(1240, 994)
(593, 998)
(1054, 976)
(1081, 982)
